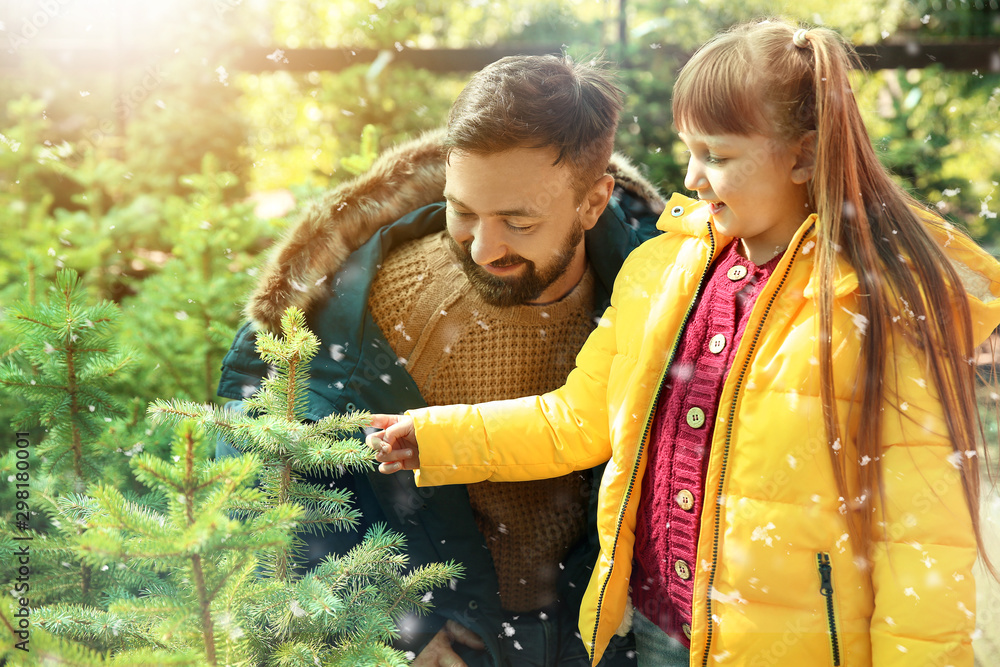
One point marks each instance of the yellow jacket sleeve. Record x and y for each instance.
(536, 437)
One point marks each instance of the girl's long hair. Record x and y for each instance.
(754, 79)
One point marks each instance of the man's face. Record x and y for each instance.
(515, 225)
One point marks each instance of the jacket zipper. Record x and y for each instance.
(645, 434)
(826, 588)
(729, 437)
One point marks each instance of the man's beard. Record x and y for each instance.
(523, 288)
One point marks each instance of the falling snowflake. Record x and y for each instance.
(955, 459)
(278, 56)
(860, 321)
(760, 533)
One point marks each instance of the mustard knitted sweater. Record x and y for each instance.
(459, 349)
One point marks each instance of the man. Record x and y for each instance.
(486, 296)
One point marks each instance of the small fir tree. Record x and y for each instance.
(72, 359)
(197, 611)
(343, 611)
(64, 364)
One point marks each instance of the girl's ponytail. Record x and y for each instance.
(836, 195)
(912, 293)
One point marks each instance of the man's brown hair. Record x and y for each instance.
(540, 102)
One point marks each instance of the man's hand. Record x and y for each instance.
(395, 445)
(438, 652)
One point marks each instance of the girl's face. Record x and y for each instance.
(755, 187)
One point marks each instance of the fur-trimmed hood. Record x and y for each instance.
(300, 269)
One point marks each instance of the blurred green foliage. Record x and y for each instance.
(137, 176)
(939, 132)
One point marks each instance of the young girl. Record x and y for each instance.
(782, 389)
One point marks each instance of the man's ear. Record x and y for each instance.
(596, 200)
(805, 160)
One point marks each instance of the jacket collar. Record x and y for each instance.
(691, 217)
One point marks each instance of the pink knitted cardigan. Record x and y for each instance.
(672, 488)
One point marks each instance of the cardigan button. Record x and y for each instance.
(717, 344)
(685, 499)
(682, 569)
(695, 417)
(738, 272)
(686, 629)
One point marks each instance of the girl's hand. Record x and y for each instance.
(395, 444)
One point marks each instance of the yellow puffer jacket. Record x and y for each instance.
(775, 579)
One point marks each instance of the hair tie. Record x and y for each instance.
(799, 39)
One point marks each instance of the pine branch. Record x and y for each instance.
(43, 648)
(86, 623)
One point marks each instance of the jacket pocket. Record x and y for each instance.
(826, 589)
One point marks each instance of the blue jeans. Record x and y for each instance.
(654, 647)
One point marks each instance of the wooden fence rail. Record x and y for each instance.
(981, 56)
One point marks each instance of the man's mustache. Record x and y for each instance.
(505, 261)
